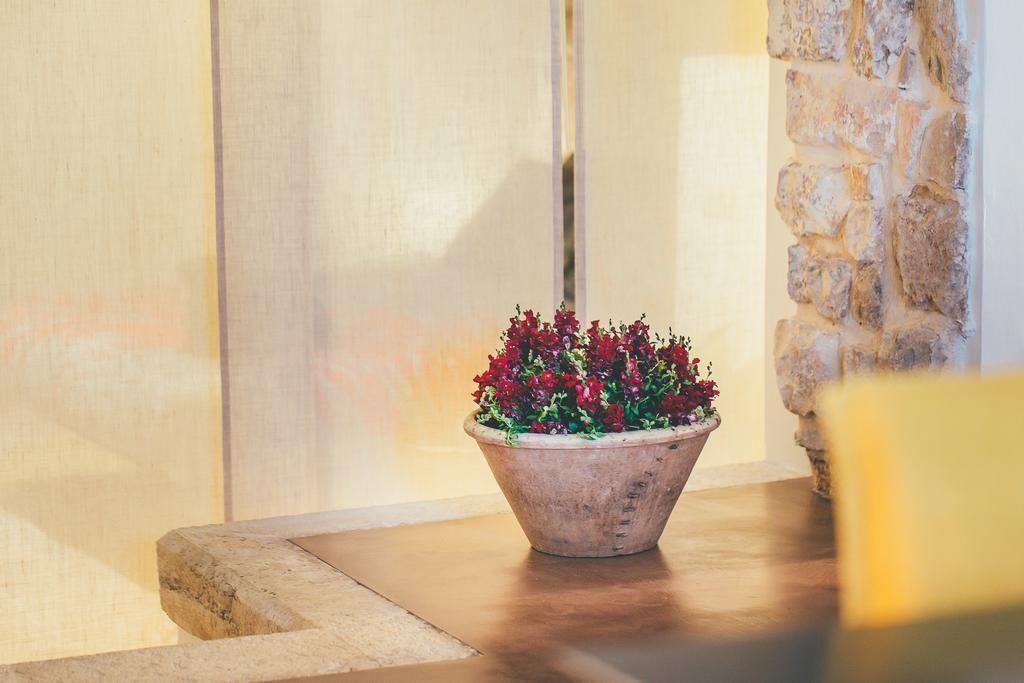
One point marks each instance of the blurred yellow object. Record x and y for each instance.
(929, 491)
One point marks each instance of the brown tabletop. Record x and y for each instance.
(975, 647)
(733, 562)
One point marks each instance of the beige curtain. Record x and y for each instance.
(673, 117)
(388, 196)
(390, 188)
(109, 383)
(388, 199)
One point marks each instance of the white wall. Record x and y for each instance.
(1001, 315)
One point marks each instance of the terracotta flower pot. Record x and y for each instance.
(600, 497)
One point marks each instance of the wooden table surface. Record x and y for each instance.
(965, 648)
(733, 562)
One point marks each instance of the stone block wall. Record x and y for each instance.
(877, 106)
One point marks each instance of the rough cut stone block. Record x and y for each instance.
(911, 118)
(858, 359)
(946, 152)
(820, 472)
(868, 117)
(944, 47)
(908, 70)
(864, 233)
(809, 434)
(931, 251)
(806, 357)
(866, 181)
(923, 346)
(796, 284)
(866, 296)
(808, 29)
(828, 282)
(812, 199)
(812, 103)
(828, 110)
(884, 27)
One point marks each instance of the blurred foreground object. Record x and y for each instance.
(929, 512)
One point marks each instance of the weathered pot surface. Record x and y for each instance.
(601, 497)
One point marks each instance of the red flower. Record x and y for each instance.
(675, 355)
(632, 381)
(567, 327)
(547, 345)
(676, 407)
(521, 332)
(679, 408)
(613, 419)
(588, 394)
(707, 391)
(542, 387)
(589, 379)
(637, 341)
(507, 392)
(602, 350)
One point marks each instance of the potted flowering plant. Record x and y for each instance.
(591, 436)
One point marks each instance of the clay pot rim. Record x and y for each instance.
(636, 437)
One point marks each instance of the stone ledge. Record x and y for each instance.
(267, 609)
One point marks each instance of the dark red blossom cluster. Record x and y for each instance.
(549, 378)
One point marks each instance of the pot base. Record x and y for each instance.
(596, 557)
(599, 498)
